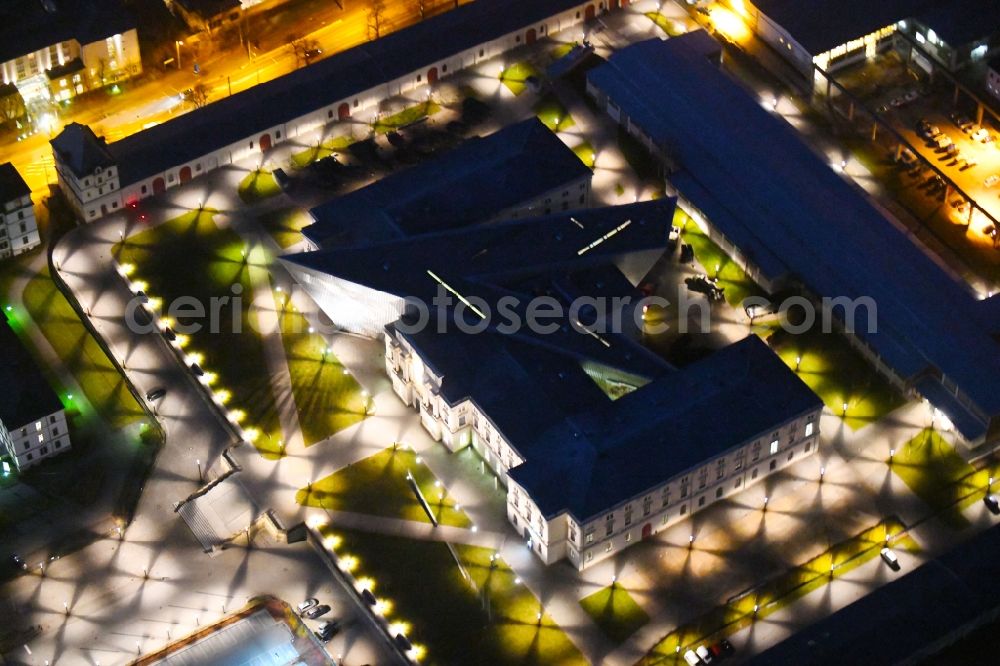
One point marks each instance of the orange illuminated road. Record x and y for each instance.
(158, 100)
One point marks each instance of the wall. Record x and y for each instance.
(33, 442)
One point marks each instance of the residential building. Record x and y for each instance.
(637, 444)
(350, 84)
(793, 221)
(33, 423)
(522, 170)
(18, 231)
(57, 49)
(206, 14)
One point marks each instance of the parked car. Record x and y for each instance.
(369, 598)
(328, 630)
(395, 139)
(966, 163)
(155, 394)
(992, 503)
(282, 179)
(169, 334)
(196, 369)
(691, 658)
(307, 604)
(890, 558)
(705, 285)
(704, 654)
(722, 649)
(316, 611)
(403, 642)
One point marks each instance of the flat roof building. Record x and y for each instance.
(32, 418)
(793, 221)
(521, 170)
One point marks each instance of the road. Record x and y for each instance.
(156, 100)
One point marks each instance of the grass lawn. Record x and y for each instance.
(666, 25)
(515, 76)
(615, 612)
(104, 387)
(285, 225)
(838, 374)
(934, 471)
(585, 152)
(258, 185)
(779, 592)
(716, 263)
(445, 614)
(408, 115)
(553, 114)
(328, 399)
(563, 50)
(377, 485)
(213, 266)
(336, 144)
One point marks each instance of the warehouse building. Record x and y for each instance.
(794, 222)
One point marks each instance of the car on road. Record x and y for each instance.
(307, 604)
(155, 394)
(328, 630)
(966, 163)
(403, 642)
(692, 658)
(890, 558)
(992, 503)
(369, 598)
(169, 334)
(141, 295)
(196, 369)
(316, 611)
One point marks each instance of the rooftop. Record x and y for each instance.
(12, 186)
(29, 25)
(341, 76)
(800, 221)
(27, 396)
(473, 183)
(617, 450)
(81, 150)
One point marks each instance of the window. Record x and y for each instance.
(58, 445)
(420, 78)
(329, 113)
(572, 534)
(30, 456)
(52, 419)
(444, 68)
(702, 478)
(145, 189)
(684, 487)
(809, 429)
(738, 463)
(774, 445)
(461, 420)
(515, 519)
(665, 497)
(114, 204)
(38, 426)
(684, 509)
(628, 537)
(647, 505)
(628, 516)
(808, 447)
(720, 469)
(482, 52)
(590, 555)
(774, 464)
(589, 537)
(755, 451)
(609, 528)
(517, 39)
(701, 501)
(754, 475)
(197, 168)
(55, 431)
(739, 482)
(170, 176)
(607, 547)
(718, 492)
(251, 143)
(790, 454)
(45, 450)
(356, 103)
(277, 135)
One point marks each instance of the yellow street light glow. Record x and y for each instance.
(366, 583)
(418, 652)
(332, 542)
(382, 606)
(155, 303)
(315, 522)
(194, 357)
(127, 269)
(348, 563)
(621, 227)
(456, 294)
(222, 396)
(209, 377)
(182, 340)
(236, 415)
(730, 24)
(139, 285)
(399, 628)
(167, 321)
(251, 434)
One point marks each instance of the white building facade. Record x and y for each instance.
(18, 230)
(31, 443)
(93, 201)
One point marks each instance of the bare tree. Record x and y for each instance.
(197, 96)
(376, 18)
(305, 50)
(11, 107)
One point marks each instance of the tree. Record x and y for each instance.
(305, 50)
(376, 18)
(197, 96)
(11, 105)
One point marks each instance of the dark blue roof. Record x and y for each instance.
(796, 218)
(829, 23)
(27, 395)
(475, 182)
(12, 186)
(675, 423)
(907, 620)
(226, 121)
(81, 150)
(27, 26)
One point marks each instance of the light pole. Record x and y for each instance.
(177, 45)
(200, 475)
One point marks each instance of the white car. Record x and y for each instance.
(307, 604)
(890, 558)
(704, 654)
(691, 658)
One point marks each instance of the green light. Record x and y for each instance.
(9, 308)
